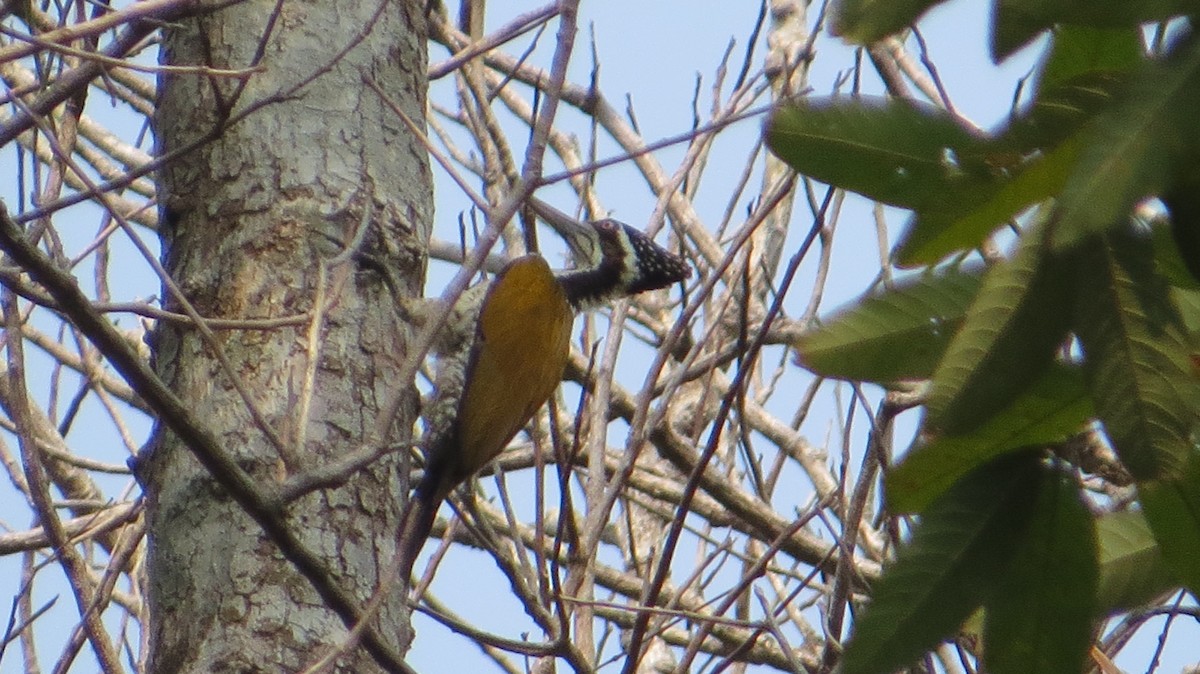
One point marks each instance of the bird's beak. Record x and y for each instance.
(581, 238)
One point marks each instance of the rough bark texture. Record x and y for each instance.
(248, 220)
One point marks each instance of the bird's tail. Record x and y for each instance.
(415, 527)
(435, 485)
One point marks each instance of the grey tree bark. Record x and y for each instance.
(288, 159)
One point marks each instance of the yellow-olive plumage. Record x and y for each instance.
(517, 357)
(522, 341)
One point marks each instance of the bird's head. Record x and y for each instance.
(625, 262)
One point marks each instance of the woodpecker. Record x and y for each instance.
(519, 351)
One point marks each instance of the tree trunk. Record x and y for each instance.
(251, 222)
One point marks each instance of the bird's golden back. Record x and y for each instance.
(521, 348)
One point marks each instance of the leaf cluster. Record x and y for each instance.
(1093, 319)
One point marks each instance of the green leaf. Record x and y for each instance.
(1051, 411)
(1010, 31)
(1135, 149)
(1172, 508)
(1083, 51)
(1136, 355)
(1182, 199)
(897, 334)
(1170, 262)
(1018, 320)
(1060, 113)
(899, 152)
(1039, 619)
(1033, 159)
(933, 235)
(961, 545)
(1187, 301)
(1019, 21)
(1132, 569)
(865, 21)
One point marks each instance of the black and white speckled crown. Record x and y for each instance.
(630, 263)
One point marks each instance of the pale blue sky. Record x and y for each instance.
(652, 50)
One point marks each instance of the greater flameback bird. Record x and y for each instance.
(519, 351)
